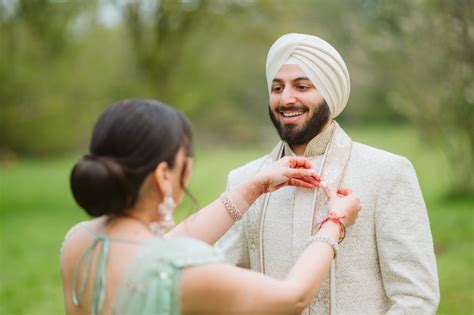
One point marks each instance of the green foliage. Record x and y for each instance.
(158, 36)
(62, 62)
(36, 210)
(428, 50)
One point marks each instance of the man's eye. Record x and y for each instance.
(277, 89)
(302, 87)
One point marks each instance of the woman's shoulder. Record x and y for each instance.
(76, 227)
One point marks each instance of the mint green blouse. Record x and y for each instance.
(152, 284)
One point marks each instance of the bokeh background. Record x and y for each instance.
(62, 62)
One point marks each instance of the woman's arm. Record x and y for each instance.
(211, 222)
(231, 290)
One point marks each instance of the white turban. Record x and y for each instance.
(319, 61)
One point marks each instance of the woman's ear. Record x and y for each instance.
(161, 175)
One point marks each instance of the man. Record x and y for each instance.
(386, 264)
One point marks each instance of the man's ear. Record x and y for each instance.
(161, 175)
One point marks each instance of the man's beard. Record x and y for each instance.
(294, 135)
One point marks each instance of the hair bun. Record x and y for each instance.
(99, 185)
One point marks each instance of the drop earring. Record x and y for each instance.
(166, 209)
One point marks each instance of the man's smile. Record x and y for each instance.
(290, 116)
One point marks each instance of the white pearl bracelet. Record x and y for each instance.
(324, 239)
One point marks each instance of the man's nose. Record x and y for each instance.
(288, 97)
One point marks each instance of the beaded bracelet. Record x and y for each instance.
(324, 239)
(333, 217)
(229, 205)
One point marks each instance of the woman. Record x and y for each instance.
(120, 262)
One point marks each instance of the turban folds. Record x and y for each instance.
(319, 61)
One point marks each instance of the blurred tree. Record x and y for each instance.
(33, 36)
(61, 63)
(158, 32)
(190, 53)
(427, 48)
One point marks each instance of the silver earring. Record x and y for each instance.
(156, 229)
(166, 209)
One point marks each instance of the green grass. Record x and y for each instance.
(37, 209)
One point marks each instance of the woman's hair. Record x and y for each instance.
(129, 140)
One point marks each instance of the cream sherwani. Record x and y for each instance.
(386, 263)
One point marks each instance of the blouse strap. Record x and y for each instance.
(99, 279)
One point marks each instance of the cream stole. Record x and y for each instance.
(332, 171)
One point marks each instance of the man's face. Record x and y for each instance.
(297, 109)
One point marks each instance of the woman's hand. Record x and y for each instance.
(343, 202)
(288, 171)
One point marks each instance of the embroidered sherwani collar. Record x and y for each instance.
(337, 151)
(316, 146)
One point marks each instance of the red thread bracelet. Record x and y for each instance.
(333, 217)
